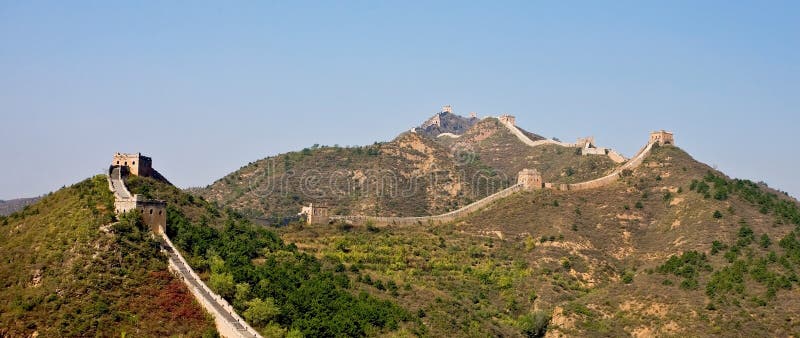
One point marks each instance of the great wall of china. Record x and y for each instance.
(526, 180)
(228, 323)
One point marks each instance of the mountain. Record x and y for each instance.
(414, 174)
(10, 206)
(409, 175)
(674, 248)
(668, 247)
(70, 269)
(445, 122)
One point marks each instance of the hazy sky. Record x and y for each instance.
(206, 87)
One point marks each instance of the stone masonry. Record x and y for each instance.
(662, 137)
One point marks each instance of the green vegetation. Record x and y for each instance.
(69, 269)
(637, 265)
(460, 285)
(688, 265)
(269, 282)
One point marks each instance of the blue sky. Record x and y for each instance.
(206, 87)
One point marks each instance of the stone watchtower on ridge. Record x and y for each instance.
(530, 179)
(154, 212)
(508, 119)
(136, 164)
(315, 214)
(662, 137)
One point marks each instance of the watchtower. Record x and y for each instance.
(447, 109)
(315, 214)
(508, 119)
(137, 164)
(530, 179)
(662, 137)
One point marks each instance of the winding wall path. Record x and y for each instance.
(446, 217)
(613, 155)
(228, 323)
(632, 163)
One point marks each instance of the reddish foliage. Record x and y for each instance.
(172, 301)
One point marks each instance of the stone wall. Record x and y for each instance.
(616, 157)
(528, 179)
(154, 213)
(580, 143)
(436, 219)
(615, 175)
(226, 320)
(594, 151)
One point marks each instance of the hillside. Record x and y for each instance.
(411, 175)
(415, 174)
(495, 146)
(674, 248)
(277, 289)
(70, 269)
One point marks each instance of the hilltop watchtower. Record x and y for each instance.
(447, 109)
(154, 212)
(508, 119)
(662, 137)
(315, 214)
(530, 179)
(137, 164)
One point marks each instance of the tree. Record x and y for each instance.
(223, 284)
(260, 312)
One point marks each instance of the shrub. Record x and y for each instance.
(627, 277)
(639, 205)
(765, 242)
(717, 214)
(534, 324)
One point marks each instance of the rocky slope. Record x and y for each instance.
(445, 122)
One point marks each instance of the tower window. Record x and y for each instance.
(151, 211)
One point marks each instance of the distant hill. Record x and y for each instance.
(422, 172)
(445, 122)
(10, 206)
(674, 248)
(410, 175)
(70, 269)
